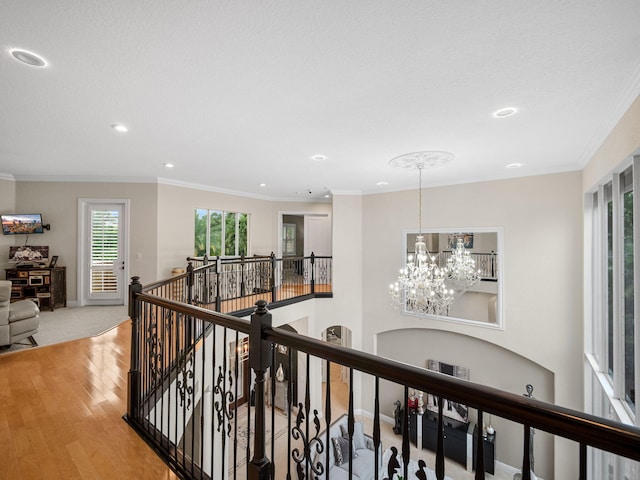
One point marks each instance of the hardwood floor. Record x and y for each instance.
(61, 410)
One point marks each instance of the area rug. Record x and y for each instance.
(72, 323)
(246, 435)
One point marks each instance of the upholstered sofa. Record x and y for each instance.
(18, 320)
(363, 464)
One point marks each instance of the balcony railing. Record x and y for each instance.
(189, 373)
(486, 263)
(234, 285)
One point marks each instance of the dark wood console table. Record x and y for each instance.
(47, 286)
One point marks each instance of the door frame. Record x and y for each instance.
(306, 216)
(83, 245)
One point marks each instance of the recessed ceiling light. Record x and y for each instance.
(28, 58)
(505, 112)
(514, 165)
(168, 165)
(318, 158)
(382, 183)
(263, 184)
(327, 195)
(119, 127)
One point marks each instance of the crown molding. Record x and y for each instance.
(628, 94)
(209, 188)
(154, 180)
(84, 179)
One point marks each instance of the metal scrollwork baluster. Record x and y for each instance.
(185, 382)
(322, 274)
(232, 286)
(154, 343)
(311, 446)
(223, 406)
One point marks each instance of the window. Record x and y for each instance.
(628, 290)
(614, 234)
(219, 233)
(104, 249)
(289, 239)
(614, 212)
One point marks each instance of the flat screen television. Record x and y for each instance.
(21, 223)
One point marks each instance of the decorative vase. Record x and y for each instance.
(420, 404)
(280, 374)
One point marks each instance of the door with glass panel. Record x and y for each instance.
(103, 252)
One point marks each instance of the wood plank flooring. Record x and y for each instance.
(61, 410)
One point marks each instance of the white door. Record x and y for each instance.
(104, 262)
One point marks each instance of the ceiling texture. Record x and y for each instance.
(241, 93)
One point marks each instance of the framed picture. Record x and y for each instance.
(454, 410)
(29, 253)
(53, 262)
(453, 240)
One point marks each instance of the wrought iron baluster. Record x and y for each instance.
(479, 453)
(440, 441)
(526, 462)
(405, 433)
(376, 427)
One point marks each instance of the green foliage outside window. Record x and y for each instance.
(229, 233)
(243, 233)
(200, 244)
(212, 233)
(629, 358)
(215, 231)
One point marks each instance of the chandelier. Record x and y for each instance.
(420, 287)
(461, 268)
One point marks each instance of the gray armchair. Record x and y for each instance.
(18, 320)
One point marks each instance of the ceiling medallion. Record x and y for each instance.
(434, 158)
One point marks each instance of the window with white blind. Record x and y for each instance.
(104, 250)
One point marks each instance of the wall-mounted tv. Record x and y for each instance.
(21, 223)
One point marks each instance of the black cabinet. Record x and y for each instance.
(457, 440)
(489, 451)
(455, 437)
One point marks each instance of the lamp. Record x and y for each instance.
(461, 268)
(420, 287)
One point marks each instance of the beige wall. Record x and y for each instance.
(487, 369)
(622, 142)
(176, 206)
(58, 203)
(542, 221)
(7, 205)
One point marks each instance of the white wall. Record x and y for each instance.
(542, 221)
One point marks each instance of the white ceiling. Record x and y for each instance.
(244, 92)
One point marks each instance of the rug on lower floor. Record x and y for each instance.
(72, 323)
(245, 435)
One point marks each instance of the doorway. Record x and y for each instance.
(103, 251)
(304, 233)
